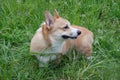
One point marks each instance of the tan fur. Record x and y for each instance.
(83, 43)
(48, 38)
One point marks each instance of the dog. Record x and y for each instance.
(56, 36)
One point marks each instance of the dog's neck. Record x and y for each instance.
(56, 43)
(55, 47)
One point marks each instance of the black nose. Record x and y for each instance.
(78, 32)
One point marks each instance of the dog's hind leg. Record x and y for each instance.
(88, 52)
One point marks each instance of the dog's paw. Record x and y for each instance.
(90, 58)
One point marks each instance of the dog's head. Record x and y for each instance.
(59, 28)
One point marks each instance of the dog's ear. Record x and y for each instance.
(56, 15)
(49, 19)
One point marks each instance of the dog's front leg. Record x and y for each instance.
(58, 59)
(43, 60)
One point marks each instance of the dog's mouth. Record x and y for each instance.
(67, 37)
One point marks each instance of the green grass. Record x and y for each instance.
(19, 21)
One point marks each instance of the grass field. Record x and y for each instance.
(19, 19)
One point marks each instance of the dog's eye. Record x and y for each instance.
(66, 27)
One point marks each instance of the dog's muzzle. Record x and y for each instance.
(71, 37)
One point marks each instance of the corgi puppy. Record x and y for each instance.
(56, 36)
